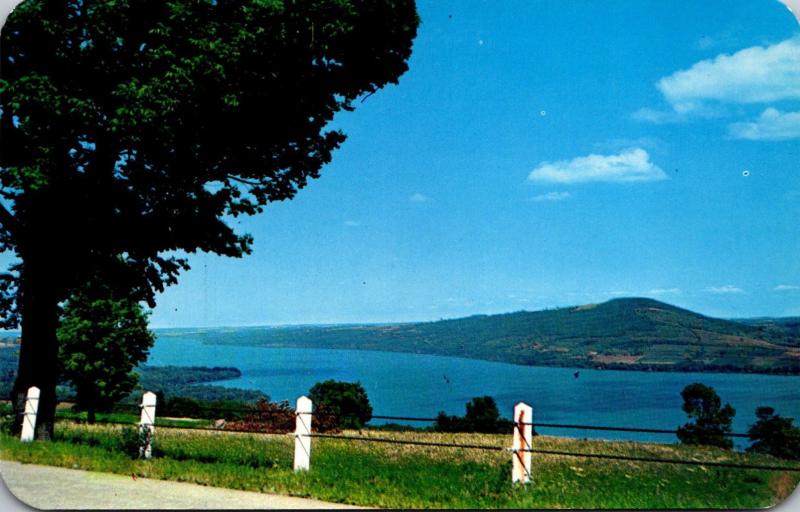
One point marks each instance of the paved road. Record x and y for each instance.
(75, 489)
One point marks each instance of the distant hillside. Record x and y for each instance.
(633, 334)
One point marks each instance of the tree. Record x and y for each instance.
(102, 338)
(346, 401)
(711, 421)
(775, 435)
(482, 416)
(132, 129)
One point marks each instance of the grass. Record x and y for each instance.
(397, 476)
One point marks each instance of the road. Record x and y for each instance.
(46, 487)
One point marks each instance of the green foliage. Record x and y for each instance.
(102, 338)
(189, 382)
(482, 416)
(135, 129)
(346, 401)
(185, 407)
(9, 358)
(711, 421)
(775, 435)
(172, 114)
(621, 334)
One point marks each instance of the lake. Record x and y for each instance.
(400, 384)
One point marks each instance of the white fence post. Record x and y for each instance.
(523, 440)
(302, 431)
(147, 426)
(29, 417)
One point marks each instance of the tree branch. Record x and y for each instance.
(242, 180)
(8, 221)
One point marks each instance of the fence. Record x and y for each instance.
(521, 450)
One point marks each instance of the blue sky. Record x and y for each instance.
(541, 154)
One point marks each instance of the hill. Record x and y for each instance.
(629, 333)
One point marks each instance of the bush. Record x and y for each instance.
(346, 401)
(774, 435)
(279, 418)
(711, 420)
(482, 416)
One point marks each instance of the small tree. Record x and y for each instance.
(482, 414)
(347, 401)
(711, 421)
(775, 435)
(101, 340)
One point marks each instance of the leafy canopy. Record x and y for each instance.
(710, 420)
(775, 435)
(136, 127)
(102, 338)
(346, 401)
(482, 416)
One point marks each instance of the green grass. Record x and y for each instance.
(382, 475)
(132, 419)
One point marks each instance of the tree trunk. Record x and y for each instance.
(38, 358)
(91, 417)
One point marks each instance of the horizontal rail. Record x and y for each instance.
(727, 465)
(628, 429)
(400, 441)
(404, 418)
(730, 465)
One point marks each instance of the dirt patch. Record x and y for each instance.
(782, 485)
(606, 359)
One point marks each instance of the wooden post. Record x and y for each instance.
(29, 416)
(523, 440)
(147, 425)
(302, 431)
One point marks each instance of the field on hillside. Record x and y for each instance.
(621, 334)
(402, 476)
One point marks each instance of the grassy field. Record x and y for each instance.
(384, 475)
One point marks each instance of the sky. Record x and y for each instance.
(540, 154)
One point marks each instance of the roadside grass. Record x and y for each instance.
(398, 476)
(127, 418)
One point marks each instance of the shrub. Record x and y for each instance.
(346, 401)
(279, 418)
(482, 416)
(775, 435)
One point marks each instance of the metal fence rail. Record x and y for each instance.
(521, 435)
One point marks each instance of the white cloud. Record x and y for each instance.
(753, 75)
(630, 165)
(418, 198)
(650, 115)
(622, 143)
(552, 196)
(728, 288)
(665, 291)
(772, 124)
(352, 223)
(786, 287)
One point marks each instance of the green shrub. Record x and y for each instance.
(346, 401)
(775, 435)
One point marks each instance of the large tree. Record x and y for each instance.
(134, 128)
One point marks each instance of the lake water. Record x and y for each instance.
(416, 385)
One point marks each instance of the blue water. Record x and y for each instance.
(420, 385)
